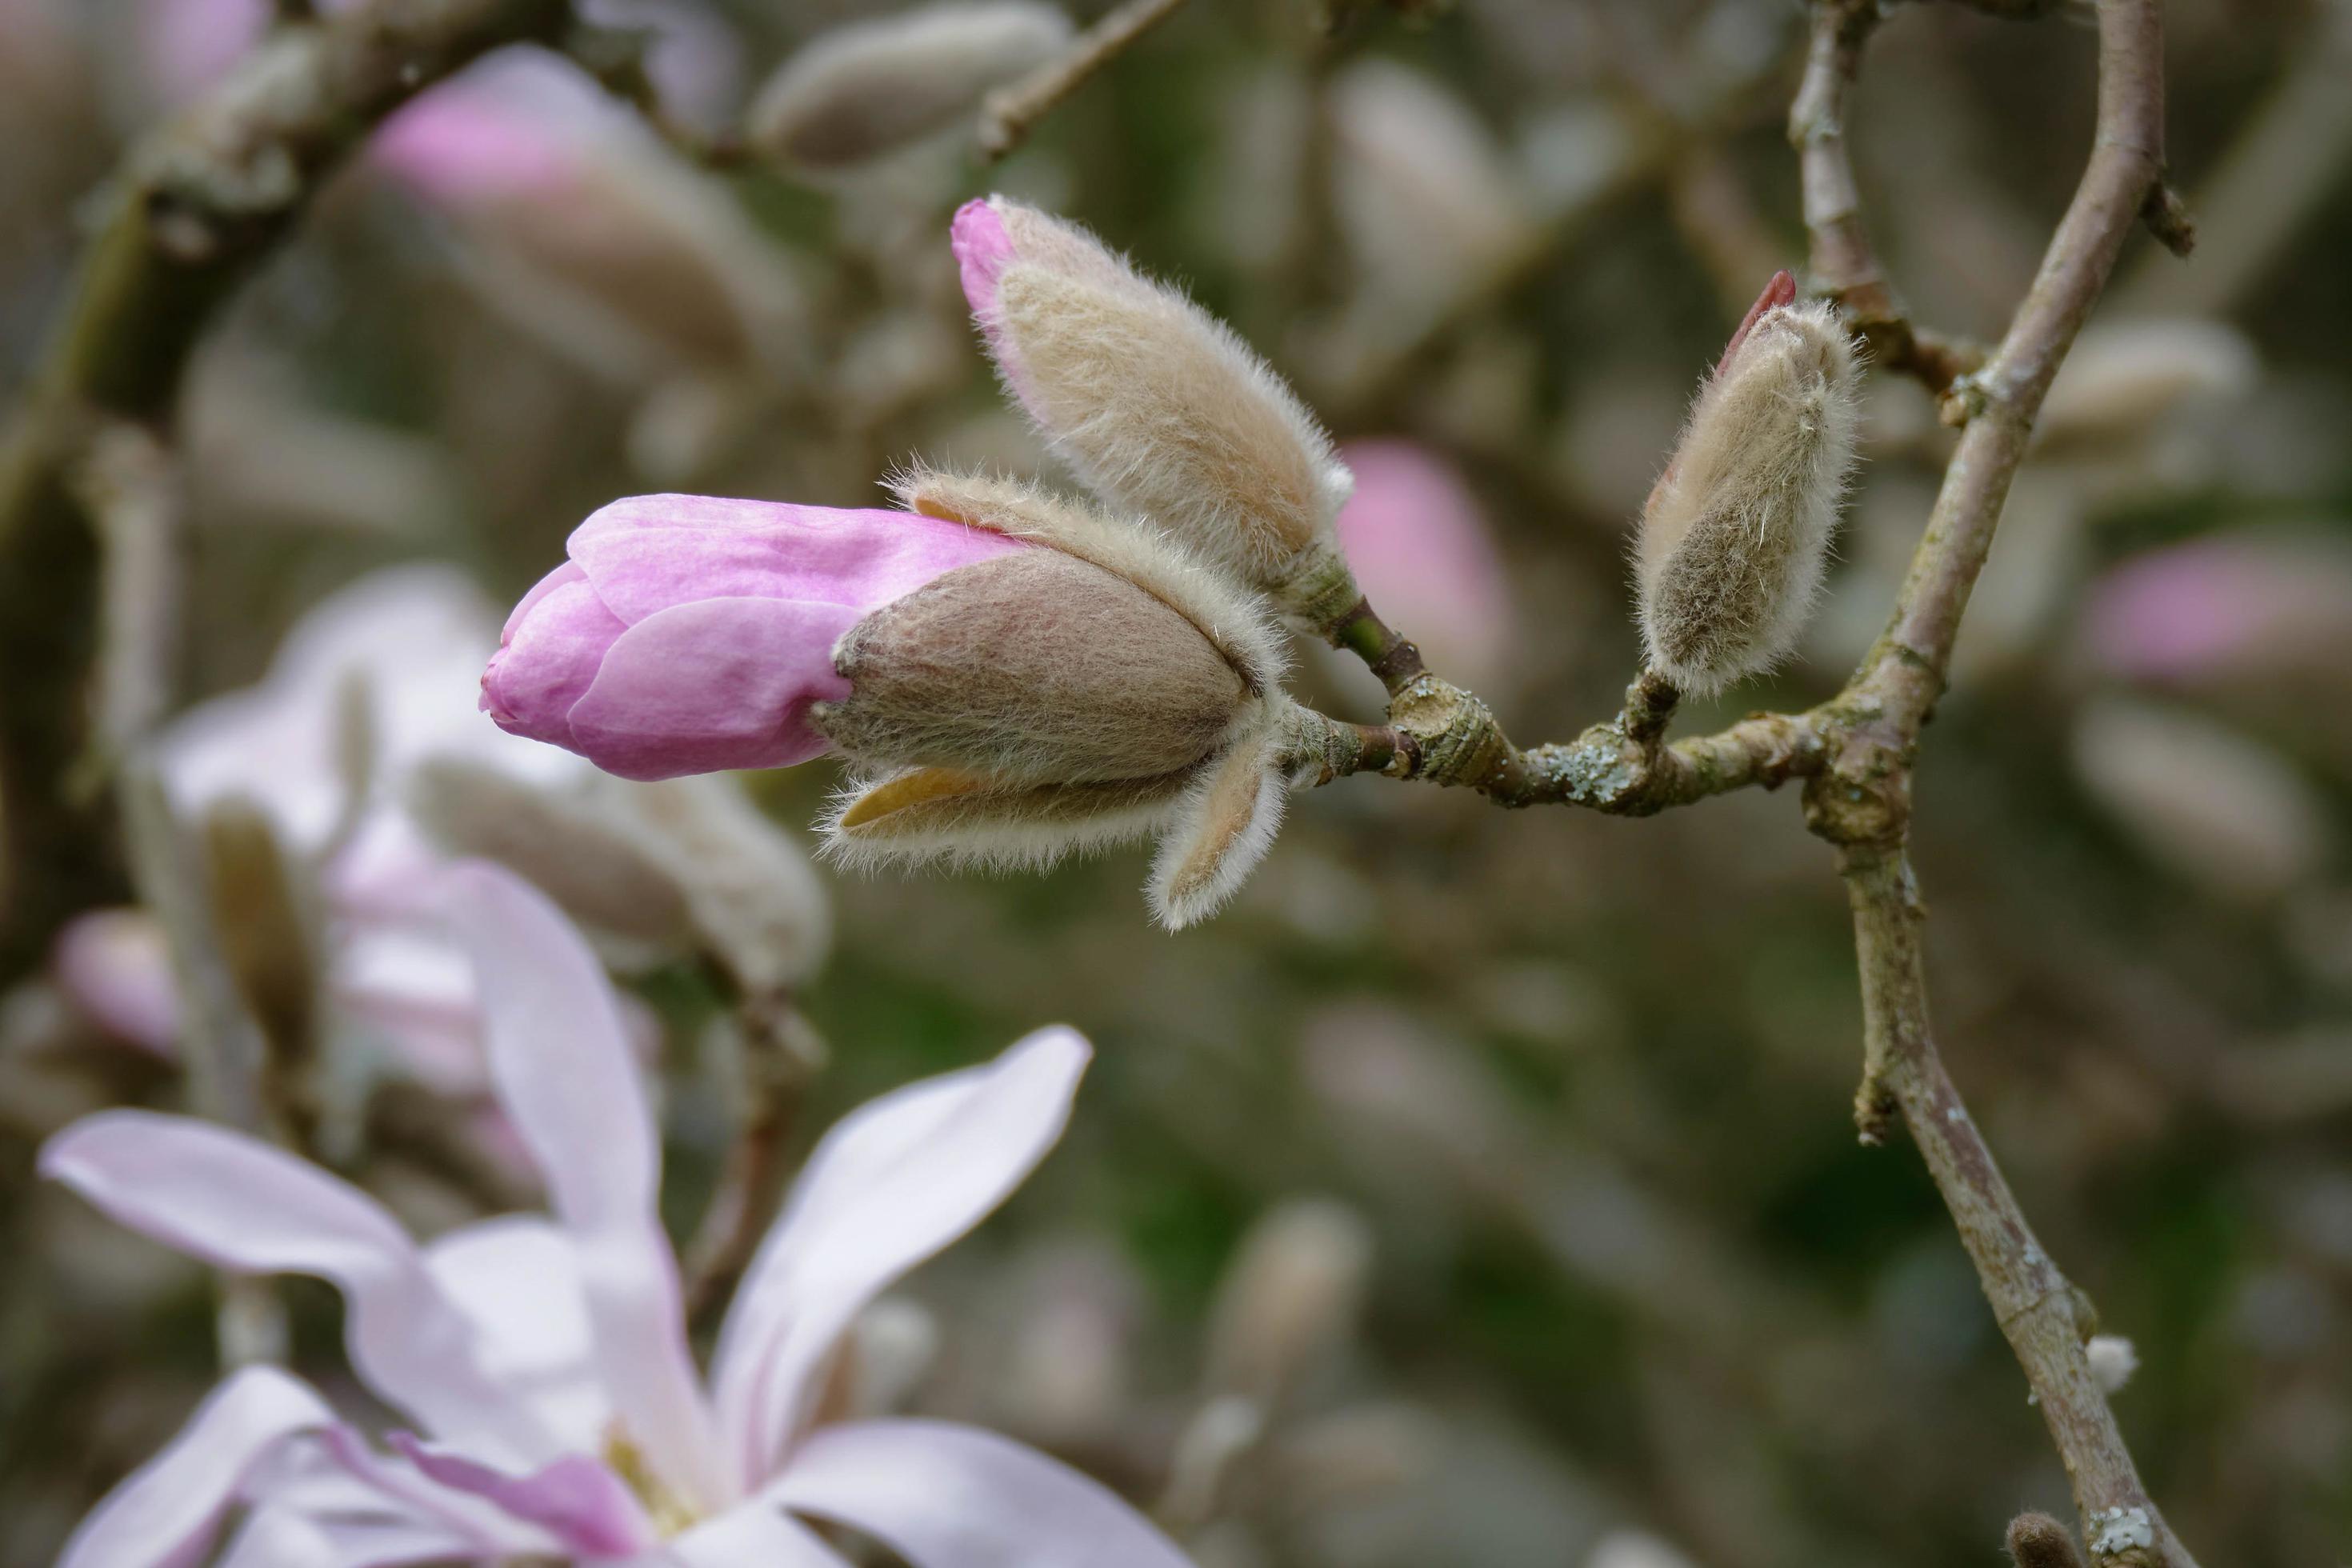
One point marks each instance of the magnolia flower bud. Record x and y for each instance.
(873, 87)
(1157, 406)
(1015, 676)
(1736, 532)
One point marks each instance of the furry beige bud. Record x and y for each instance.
(1736, 532)
(1157, 406)
(870, 87)
(1095, 688)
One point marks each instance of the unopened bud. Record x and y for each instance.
(871, 88)
(1291, 1294)
(2121, 378)
(1736, 532)
(1157, 406)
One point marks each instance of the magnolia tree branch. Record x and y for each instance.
(1008, 114)
(1845, 266)
(1856, 751)
(193, 211)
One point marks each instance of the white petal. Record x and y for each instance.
(517, 1278)
(281, 1538)
(562, 1064)
(754, 1535)
(890, 1186)
(944, 1496)
(241, 1204)
(168, 1507)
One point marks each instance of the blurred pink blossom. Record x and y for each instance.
(1425, 558)
(543, 1362)
(688, 634)
(401, 647)
(2237, 605)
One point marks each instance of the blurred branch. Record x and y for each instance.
(1008, 114)
(777, 1051)
(188, 216)
(1845, 268)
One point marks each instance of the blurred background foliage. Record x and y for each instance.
(1633, 1296)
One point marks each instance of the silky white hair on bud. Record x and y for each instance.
(2113, 1359)
(869, 87)
(1234, 620)
(1224, 826)
(1735, 537)
(1159, 408)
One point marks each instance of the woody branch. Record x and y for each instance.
(1856, 751)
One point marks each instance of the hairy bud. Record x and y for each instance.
(1157, 406)
(1095, 688)
(2113, 1359)
(1736, 532)
(1013, 675)
(871, 88)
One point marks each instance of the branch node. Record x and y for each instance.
(2167, 217)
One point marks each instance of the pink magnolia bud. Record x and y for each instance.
(1157, 406)
(689, 634)
(1014, 676)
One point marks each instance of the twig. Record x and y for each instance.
(190, 214)
(1008, 114)
(1856, 751)
(776, 1051)
(1845, 268)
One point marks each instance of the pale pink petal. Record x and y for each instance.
(565, 1074)
(517, 1278)
(753, 1533)
(944, 1496)
(549, 660)
(885, 1190)
(241, 1204)
(983, 251)
(274, 1537)
(648, 554)
(719, 684)
(1420, 545)
(169, 1506)
(578, 1500)
(114, 966)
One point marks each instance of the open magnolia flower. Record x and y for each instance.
(1015, 674)
(543, 1366)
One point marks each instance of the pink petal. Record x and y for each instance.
(241, 1204)
(587, 1508)
(722, 683)
(1418, 544)
(983, 251)
(1781, 291)
(113, 966)
(517, 1278)
(753, 1532)
(565, 1072)
(649, 554)
(944, 1496)
(887, 1187)
(549, 660)
(274, 1537)
(169, 1506)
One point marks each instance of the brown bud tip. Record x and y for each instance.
(1782, 290)
(2038, 1541)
